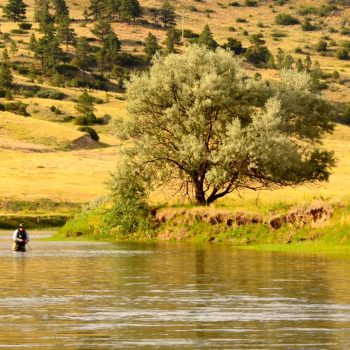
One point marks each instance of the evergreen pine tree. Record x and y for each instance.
(151, 46)
(45, 19)
(280, 57)
(39, 6)
(96, 8)
(32, 42)
(15, 10)
(299, 65)
(130, 9)
(82, 51)
(85, 104)
(206, 38)
(61, 9)
(6, 77)
(307, 63)
(169, 43)
(288, 62)
(65, 33)
(101, 28)
(48, 50)
(167, 14)
(111, 46)
(13, 47)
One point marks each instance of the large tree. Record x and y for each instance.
(15, 10)
(197, 120)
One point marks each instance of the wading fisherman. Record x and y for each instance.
(20, 238)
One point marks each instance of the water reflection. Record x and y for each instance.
(170, 296)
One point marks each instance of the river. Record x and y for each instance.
(86, 295)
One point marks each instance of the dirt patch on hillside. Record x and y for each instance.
(84, 141)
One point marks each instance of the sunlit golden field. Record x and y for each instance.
(38, 158)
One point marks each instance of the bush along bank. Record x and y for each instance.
(318, 221)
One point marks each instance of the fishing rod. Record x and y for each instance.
(29, 246)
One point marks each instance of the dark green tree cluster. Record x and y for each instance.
(285, 61)
(122, 9)
(54, 25)
(15, 10)
(257, 53)
(109, 50)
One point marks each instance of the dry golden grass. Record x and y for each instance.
(33, 161)
(76, 176)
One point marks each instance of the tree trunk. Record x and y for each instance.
(199, 193)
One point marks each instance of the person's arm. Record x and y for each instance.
(15, 237)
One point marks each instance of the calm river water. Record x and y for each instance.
(170, 296)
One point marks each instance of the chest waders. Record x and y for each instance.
(19, 246)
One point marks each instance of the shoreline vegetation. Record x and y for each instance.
(315, 227)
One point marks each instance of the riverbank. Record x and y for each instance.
(318, 227)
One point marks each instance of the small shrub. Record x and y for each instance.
(278, 34)
(234, 45)
(25, 25)
(86, 119)
(193, 8)
(342, 53)
(55, 110)
(234, 4)
(280, 2)
(346, 115)
(321, 46)
(92, 132)
(241, 20)
(19, 108)
(50, 94)
(335, 75)
(345, 31)
(251, 3)
(18, 31)
(309, 10)
(326, 10)
(286, 19)
(307, 26)
(190, 34)
(258, 55)
(345, 44)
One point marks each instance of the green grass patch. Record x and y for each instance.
(39, 206)
(33, 221)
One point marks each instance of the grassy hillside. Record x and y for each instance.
(39, 155)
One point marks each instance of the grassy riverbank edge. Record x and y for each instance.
(327, 238)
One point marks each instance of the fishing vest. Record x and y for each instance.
(21, 234)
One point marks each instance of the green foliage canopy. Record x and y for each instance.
(198, 121)
(15, 10)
